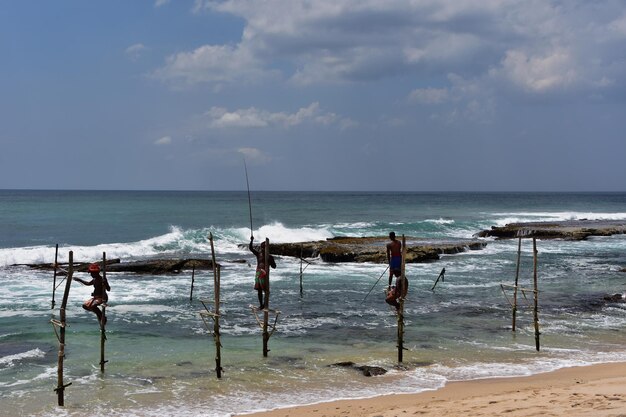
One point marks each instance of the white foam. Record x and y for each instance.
(440, 221)
(278, 233)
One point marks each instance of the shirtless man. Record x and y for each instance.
(394, 257)
(261, 280)
(99, 295)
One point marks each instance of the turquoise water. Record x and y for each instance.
(161, 358)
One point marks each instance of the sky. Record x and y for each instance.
(323, 95)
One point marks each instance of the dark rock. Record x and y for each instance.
(365, 369)
(151, 266)
(615, 298)
(372, 370)
(162, 266)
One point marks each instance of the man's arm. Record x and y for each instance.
(254, 251)
(82, 281)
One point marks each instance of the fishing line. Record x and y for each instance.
(249, 200)
(376, 283)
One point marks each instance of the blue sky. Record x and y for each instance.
(422, 95)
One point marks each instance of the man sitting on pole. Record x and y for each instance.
(99, 295)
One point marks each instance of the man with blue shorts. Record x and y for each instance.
(394, 258)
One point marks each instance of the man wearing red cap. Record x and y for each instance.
(99, 294)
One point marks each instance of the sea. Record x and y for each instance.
(161, 355)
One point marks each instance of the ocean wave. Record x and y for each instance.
(10, 360)
(177, 241)
(546, 216)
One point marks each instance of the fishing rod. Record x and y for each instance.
(376, 283)
(249, 200)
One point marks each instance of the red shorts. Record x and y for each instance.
(260, 280)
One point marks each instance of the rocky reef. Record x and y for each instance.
(342, 249)
(567, 230)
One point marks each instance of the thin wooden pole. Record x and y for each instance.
(401, 309)
(103, 336)
(519, 257)
(216, 328)
(441, 276)
(266, 334)
(216, 318)
(193, 276)
(536, 294)
(54, 278)
(60, 389)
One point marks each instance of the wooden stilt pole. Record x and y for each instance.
(216, 317)
(266, 334)
(301, 272)
(54, 278)
(401, 300)
(536, 295)
(193, 276)
(60, 389)
(103, 336)
(519, 255)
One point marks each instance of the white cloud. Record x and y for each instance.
(619, 25)
(542, 73)
(221, 118)
(214, 64)
(159, 3)
(254, 155)
(165, 140)
(134, 51)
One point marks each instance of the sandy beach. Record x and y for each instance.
(597, 390)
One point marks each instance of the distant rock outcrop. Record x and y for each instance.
(150, 266)
(568, 230)
(373, 249)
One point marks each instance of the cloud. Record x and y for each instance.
(463, 99)
(221, 118)
(618, 25)
(159, 3)
(165, 140)
(539, 73)
(134, 51)
(534, 46)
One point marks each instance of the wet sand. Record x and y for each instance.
(597, 390)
